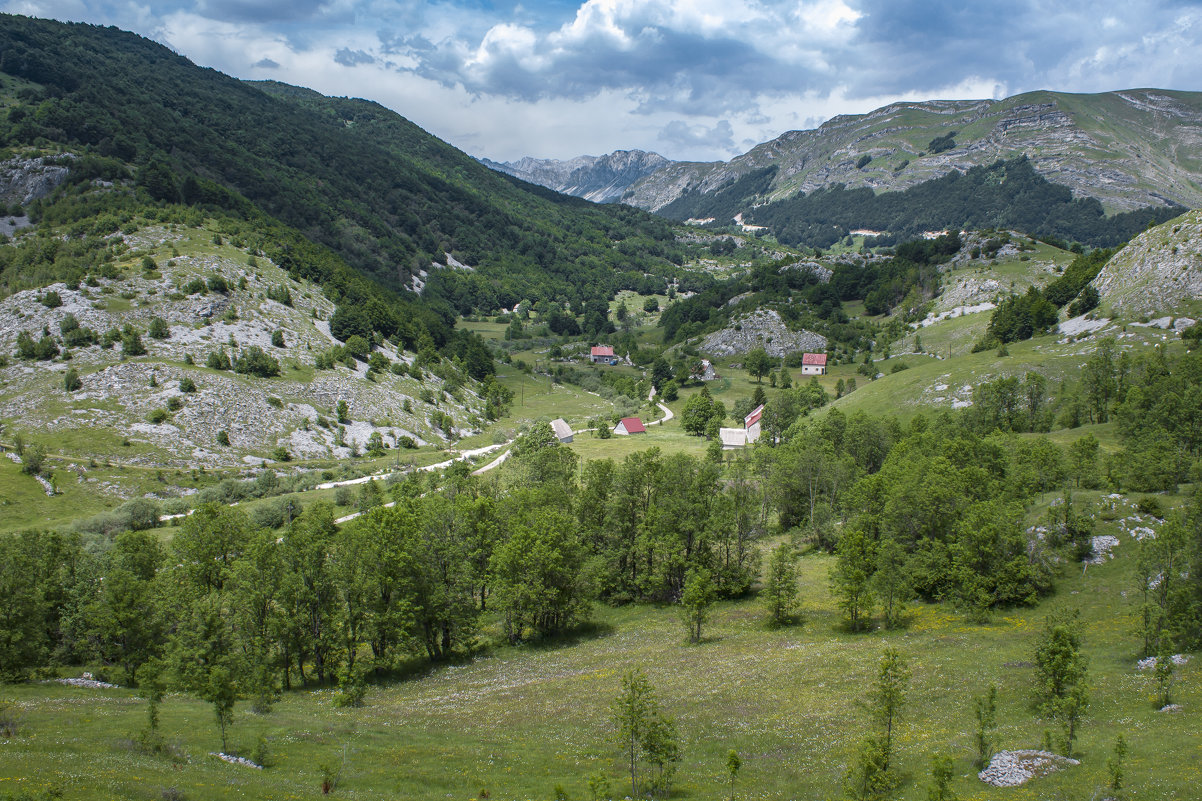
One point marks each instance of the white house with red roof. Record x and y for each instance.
(813, 364)
(602, 354)
(751, 423)
(630, 425)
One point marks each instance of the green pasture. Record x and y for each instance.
(514, 722)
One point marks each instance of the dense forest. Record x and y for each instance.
(384, 195)
(1005, 195)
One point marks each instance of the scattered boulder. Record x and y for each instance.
(1013, 768)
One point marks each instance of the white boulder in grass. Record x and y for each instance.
(1012, 768)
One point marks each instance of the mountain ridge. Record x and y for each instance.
(1129, 148)
(601, 179)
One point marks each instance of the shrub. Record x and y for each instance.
(277, 339)
(218, 360)
(71, 380)
(253, 361)
(158, 328)
(218, 284)
(281, 454)
(131, 342)
(33, 458)
(174, 403)
(1150, 505)
(187, 385)
(157, 416)
(279, 294)
(51, 300)
(358, 347)
(223, 438)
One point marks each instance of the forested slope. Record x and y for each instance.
(376, 189)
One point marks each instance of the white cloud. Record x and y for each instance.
(693, 78)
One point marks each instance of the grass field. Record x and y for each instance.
(515, 721)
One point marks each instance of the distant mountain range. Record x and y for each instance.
(601, 179)
(1128, 149)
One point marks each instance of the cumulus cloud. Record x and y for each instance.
(692, 78)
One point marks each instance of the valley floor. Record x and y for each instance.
(516, 722)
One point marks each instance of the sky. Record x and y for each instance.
(698, 80)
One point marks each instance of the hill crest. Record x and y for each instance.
(1128, 149)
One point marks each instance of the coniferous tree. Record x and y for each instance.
(780, 586)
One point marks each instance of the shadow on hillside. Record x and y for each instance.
(418, 668)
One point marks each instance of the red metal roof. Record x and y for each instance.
(754, 417)
(817, 359)
(603, 350)
(633, 425)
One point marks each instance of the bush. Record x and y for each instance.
(223, 438)
(158, 329)
(218, 284)
(174, 404)
(358, 347)
(33, 459)
(131, 342)
(71, 380)
(51, 300)
(1150, 505)
(187, 385)
(157, 416)
(218, 360)
(277, 339)
(281, 454)
(253, 361)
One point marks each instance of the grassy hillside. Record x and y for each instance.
(516, 722)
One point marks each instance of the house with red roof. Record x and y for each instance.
(630, 425)
(751, 423)
(602, 354)
(813, 364)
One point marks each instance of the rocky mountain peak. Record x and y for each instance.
(601, 179)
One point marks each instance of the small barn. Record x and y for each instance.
(602, 354)
(561, 429)
(751, 423)
(732, 438)
(813, 364)
(630, 425)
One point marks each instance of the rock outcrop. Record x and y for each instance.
(24, 180)
(762, 328)
(1156, 271)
